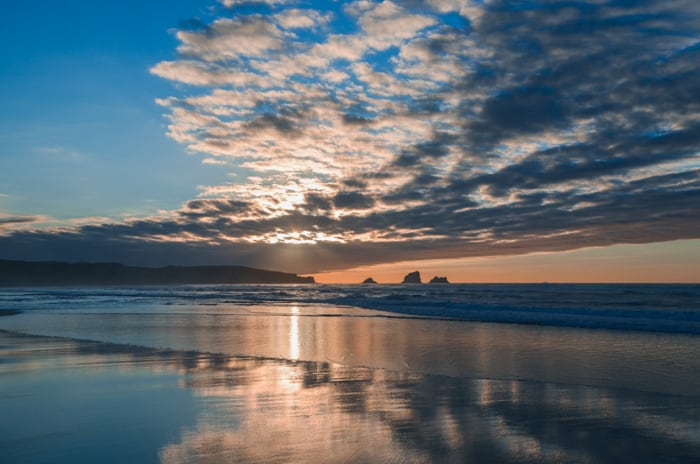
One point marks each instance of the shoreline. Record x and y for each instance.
(187, 358)
(8, 312)
(608, 364)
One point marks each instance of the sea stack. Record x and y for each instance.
(439, 280)
(369, 280)
(412, 278)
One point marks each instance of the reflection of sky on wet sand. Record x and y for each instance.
(62, 401)
(74, 401)
(662, 363)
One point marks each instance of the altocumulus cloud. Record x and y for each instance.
(377, 131)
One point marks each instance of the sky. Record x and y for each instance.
(484, 140)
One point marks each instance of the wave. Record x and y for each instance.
(654, 308)
(667, 321)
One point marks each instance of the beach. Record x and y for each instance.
(350, 231)
(153, 376)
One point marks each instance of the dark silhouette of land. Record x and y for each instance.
(26, 273)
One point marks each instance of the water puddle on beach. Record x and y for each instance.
(312, 383)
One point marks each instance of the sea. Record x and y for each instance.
(351, 373)
(654, 308)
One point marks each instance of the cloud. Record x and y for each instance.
(296, 18)
(352, 200)
(8, 221)
(233, 3)
(231, 39)
(387, 24)
(423, 129)
(204, 74)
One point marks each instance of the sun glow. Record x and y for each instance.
(304, 237)
(294, 334)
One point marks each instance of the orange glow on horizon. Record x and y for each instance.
(667, 262)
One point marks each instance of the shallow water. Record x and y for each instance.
(228, 375)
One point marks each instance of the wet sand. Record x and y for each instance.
(75, 401)
(649, 362)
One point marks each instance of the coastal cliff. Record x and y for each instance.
(25, 273)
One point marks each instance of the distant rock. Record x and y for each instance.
(439, 280)
(369, 280)
(412, 278)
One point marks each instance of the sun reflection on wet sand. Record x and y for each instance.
(294, 334)
(322, 333)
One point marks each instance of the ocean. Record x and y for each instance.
(655, 308)
(351, 373)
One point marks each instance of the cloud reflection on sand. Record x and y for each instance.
(293, 412)
(249, 409)
(283, 411)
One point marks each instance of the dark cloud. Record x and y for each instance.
(526, 110)
(587, 161)
(316, 202)
(219, 206)
(11, 220)
(354, 183)
(285, 120)
(427, 105)
(352, 200)
(354, 119)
